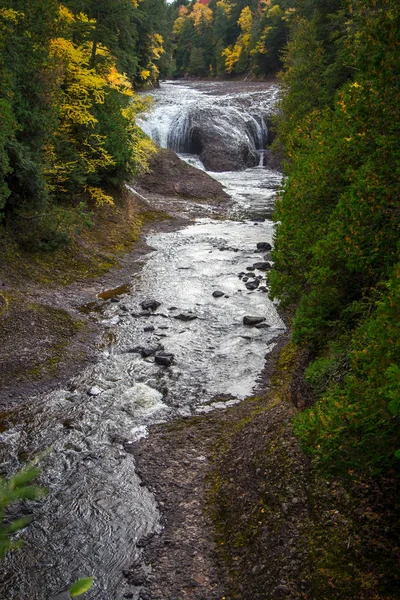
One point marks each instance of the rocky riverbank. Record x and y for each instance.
(245, 515)
(44, 335)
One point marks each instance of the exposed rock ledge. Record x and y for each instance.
(171, 176)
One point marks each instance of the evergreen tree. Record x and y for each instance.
(337, 241)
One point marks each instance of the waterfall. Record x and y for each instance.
(179, 134)
(225, 133)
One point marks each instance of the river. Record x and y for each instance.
(96, 510)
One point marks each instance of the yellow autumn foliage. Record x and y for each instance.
(9, 15)
(201, 13)
(178, 24)
(99, 196)
(156, 47)
(275, 11)
(226, 6)
(233, 53)
(245, 20)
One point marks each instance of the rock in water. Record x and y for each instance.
(164, 359)
(263, 246)
(252, 321)
(150, 304)
(95, 391)
(253, 285)
(217, 294)
(145, 352)
(262, 266)
(186, 316)
(171, 176)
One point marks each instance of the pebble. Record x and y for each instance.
(150, 304)
(186, 316)
(95, 391)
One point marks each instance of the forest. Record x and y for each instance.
(71, 80)
(68, 135)
(68, 108)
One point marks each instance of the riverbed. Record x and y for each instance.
(97, 510)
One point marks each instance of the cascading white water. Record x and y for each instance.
(196, 122)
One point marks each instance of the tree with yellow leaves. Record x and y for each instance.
(237, 56)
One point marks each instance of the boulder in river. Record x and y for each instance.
(145, 352)
(217, 294)
(264, 246)
(170, 176)
(262, 266)
(164, 359)
(150, 304)
(253, 285)
(221, 147)
(252, 321)
(186, 316)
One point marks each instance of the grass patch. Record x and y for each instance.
(35, 339)
(91, 253)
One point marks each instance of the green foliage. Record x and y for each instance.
(81, 586)
(13, 490)
(53, 228)
(68, 109)
(337, 240)
(226, 37)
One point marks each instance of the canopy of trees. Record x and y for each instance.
(228, 37)
(67, 105)
(337, 241)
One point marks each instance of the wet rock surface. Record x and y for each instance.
(216, 152)
(164, 359)
(150, 305)
(184, 464)
(93, 438)
(251, 321)
(186, 316)
(174, 462)
(262, 266)
(171, 176)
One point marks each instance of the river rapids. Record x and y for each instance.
(96, 510)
